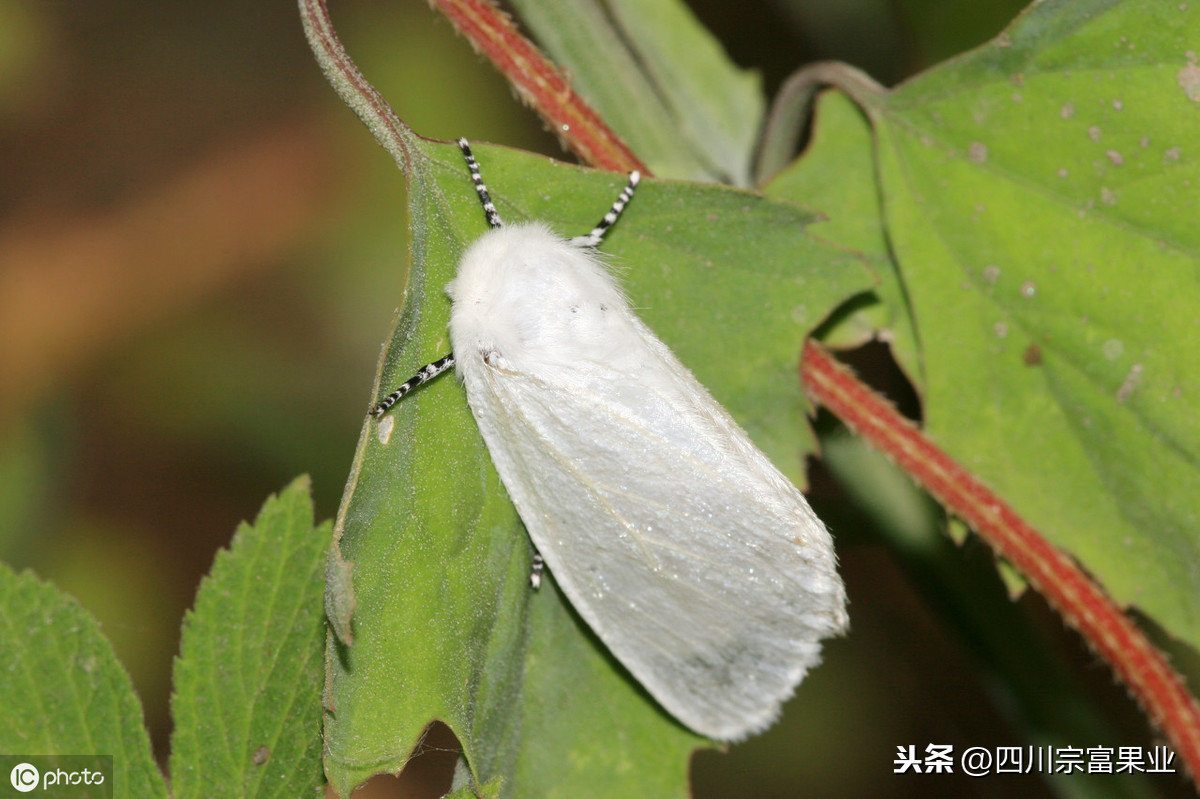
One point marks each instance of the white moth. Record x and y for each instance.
(697, 563)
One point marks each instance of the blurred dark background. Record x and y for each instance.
(200, 255)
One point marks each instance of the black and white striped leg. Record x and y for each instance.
(489, 210)
(422, 377)
(535, 570)
(593, 239)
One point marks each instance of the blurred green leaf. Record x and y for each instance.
(1040, 196)
(660, 79)
(718, 107)
(445, 625)
(64, 691)
(247, 702)
(941, 29)
(581, 38)
(26, 478)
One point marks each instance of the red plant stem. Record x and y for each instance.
(1080, 601)
(539, 83)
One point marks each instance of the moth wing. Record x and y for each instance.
(693, 559)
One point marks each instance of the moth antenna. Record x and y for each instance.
(427, 373)
(489, 210)
(594, 238)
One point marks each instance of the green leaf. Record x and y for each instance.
(64, 691)
(577, 695)
(247, 702)
(837, 173)
(491, 790)
(445, 625)
(660, 79)
(1041, 198)
(717, 107)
